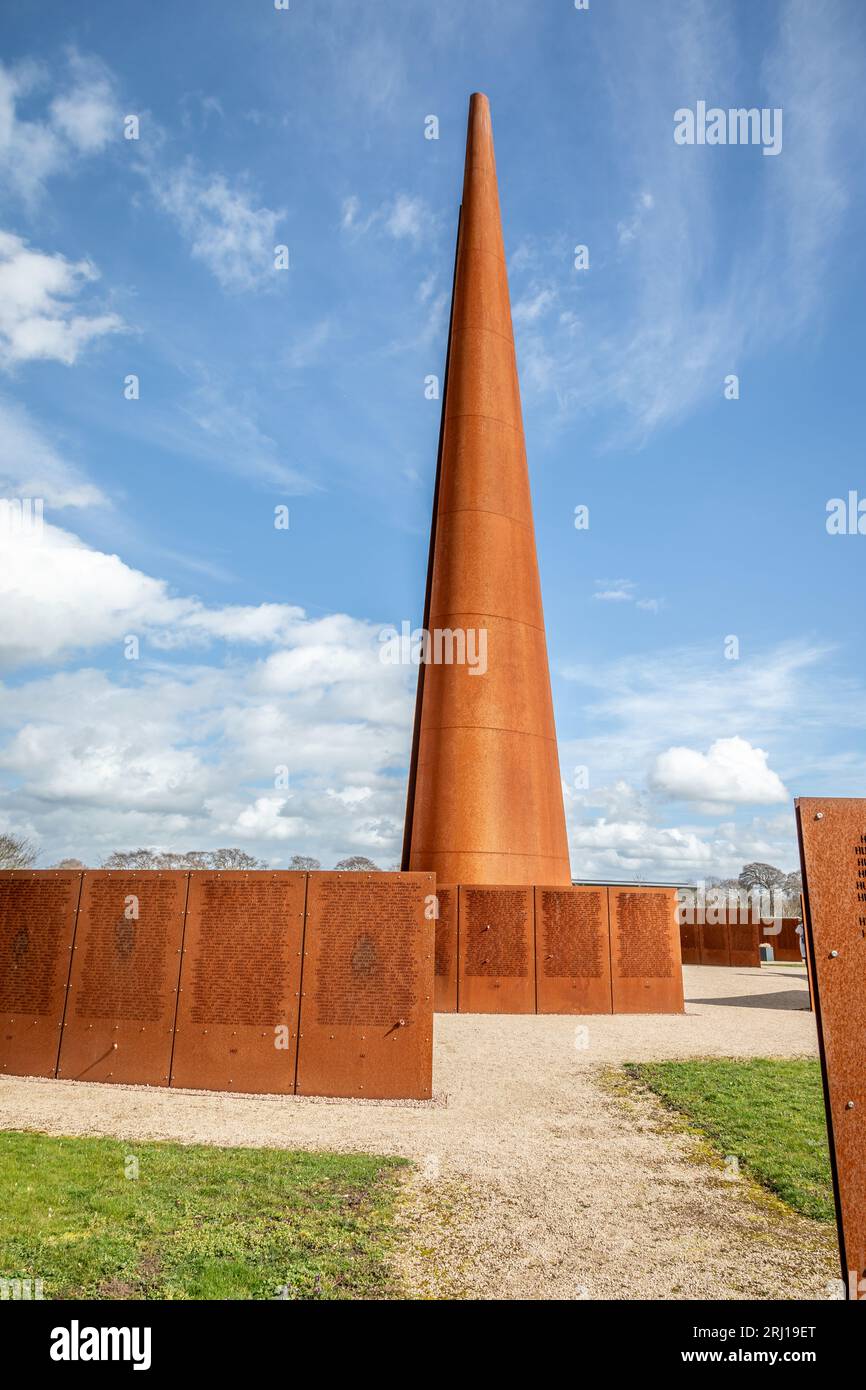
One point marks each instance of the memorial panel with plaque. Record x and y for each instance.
(715, 943)
(745, 943)
(120, 1011)
(445, 992)
(690, 943)
(366, 1022)
(572, 963)
(832, 834)
(645, 965)
(237, 1014)
(38, 908)
(496, 931)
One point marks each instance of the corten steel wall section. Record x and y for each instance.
(832, 836)
(486, 801)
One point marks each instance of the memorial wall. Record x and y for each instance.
(733, 942)
(311, 984)
(552, 949)
(273, 982)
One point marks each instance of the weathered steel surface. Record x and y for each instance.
(729, 942)
(237, 1016)
(745, 939)
(366, 1023)
(782, 936)
(445, 992)
(485, 797)
(833, 856)
(715, 943)
(37, 925)
(120, 1011)
(645, 964)
(572, 951)
(497, 949)
(690, 943)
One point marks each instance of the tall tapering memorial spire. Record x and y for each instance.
(485, 797)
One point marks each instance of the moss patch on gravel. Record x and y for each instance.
(768, 1113)
(102, 1218)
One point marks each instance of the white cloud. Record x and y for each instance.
(760, 725)
(408, 217)
(404, 218)
(614, 590)
(87, 113)
(39, 318)
(152, 752)
(533, 306)
(731, 771)
(624, 591)
(80, 120)
(227, 232)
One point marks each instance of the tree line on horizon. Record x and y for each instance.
(16, 852)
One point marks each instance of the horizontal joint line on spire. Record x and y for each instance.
(492, 728)
(472, 613)
(486, 511)
(478, 415)
(481, 328)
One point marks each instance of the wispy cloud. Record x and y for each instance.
(31, 466)
(709, 290)
(404, 217)
(624, 591)
(233, 236)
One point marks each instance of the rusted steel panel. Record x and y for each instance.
(832, 836)
(120, 1012)
(782, 936)
(690, 943)
(715, 943)
(366, 1023)
(38, 908)
(572, 961)
(237, 1016)
(645, 964)
(745, 939)
(497, 949)
(445, 991)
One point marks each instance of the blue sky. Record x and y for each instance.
(257, 647)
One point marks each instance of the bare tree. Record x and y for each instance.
(16, 852)
(233, 859)
(304, 862)
(189, 859)
(357, 863)
(69, 864)
(759, 875)
(131, 859)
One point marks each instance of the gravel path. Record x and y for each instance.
(536, 1178)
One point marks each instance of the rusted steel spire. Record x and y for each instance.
(485, 797)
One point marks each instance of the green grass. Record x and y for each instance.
(770, 1114)
(197, 1222)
